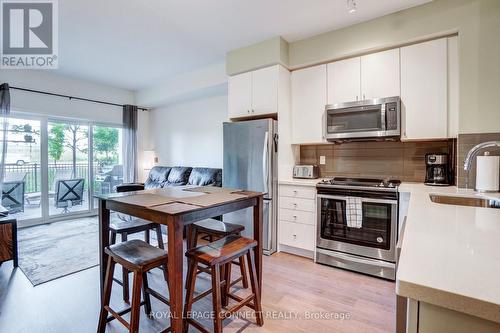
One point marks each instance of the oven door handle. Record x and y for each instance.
(387, 201)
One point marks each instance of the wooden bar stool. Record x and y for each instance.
(131, 226)
(216, 229)
(215, 256)
(138, 257)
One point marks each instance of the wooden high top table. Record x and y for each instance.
(176, 207)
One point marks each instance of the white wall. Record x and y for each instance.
(189, 133)
(209, 80)
(63, 107)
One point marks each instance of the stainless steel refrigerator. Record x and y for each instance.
(250, 163)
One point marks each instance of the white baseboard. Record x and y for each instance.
(296, 251)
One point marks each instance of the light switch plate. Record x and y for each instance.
(322, 160)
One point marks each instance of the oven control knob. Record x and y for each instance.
(380, 239)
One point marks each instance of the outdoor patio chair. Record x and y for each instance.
(109, 180)
(69, 193)
(13, 196)
(34, 198)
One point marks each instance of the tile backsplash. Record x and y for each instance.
(397, 160)
(465, 143)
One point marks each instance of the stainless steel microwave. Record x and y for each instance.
(378, 118)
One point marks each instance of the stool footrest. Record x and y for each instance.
(120, 282)
(117, 316)
(245, 301)
(240, 299)
(121, 312)
(158, 296)
(197, 325)
(203, 294)
(236, 281)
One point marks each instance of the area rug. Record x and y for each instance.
(54, 250)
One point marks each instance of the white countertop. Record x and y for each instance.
(450, 254)
(300, 182)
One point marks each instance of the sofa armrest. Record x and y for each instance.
(128, 187)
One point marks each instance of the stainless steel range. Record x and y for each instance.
(357, 225)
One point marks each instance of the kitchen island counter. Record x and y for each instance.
(450, 254)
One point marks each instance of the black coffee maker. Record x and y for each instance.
(438, 171)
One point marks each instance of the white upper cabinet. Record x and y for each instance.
(344, 81)
(380, 74)
(240, 95)
(254, 93)
(308, 104)
(453, 89)
(424, 89)
(265, 90)
(371, 76)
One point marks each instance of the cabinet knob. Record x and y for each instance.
(295, 191)
(364, 96)
(253, 110)
(294, 236)
(248, 111)
(295, 217)
(295, 205)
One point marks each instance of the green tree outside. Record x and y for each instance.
(105, 145)
(56, 142)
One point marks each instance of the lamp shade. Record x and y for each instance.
(148, 157)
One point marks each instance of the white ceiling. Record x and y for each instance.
(135, 44)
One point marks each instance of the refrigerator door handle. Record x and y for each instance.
(265, 162)
(276, 142)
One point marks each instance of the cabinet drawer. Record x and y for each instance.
(298, 235)
(297, 216)
(298, 192)
(307, 205)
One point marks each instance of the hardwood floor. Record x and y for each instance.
(296, 293)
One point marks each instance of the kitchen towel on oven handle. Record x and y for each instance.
(354, 212)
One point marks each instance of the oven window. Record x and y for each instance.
(375, 230)
(366, 120)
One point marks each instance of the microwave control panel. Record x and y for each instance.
(391, 116)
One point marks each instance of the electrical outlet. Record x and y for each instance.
(322, 160)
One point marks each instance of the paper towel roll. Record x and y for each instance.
(487, 173)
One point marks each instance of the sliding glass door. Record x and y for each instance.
(54, 167)
(22, 190)
(107, 159)
(68, 168)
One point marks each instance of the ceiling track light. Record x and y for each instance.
(351, 6)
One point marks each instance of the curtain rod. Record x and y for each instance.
(72, 97)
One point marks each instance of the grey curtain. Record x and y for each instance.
(4, 124)
(130, 169)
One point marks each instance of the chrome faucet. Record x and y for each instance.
(473, 153)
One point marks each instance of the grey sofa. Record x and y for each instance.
(165, 176)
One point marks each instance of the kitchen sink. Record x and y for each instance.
(464, 201)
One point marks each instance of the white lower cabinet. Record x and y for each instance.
(297, 235)
(297, 216)
(307, 205)
(427, 318)
(297, 219)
